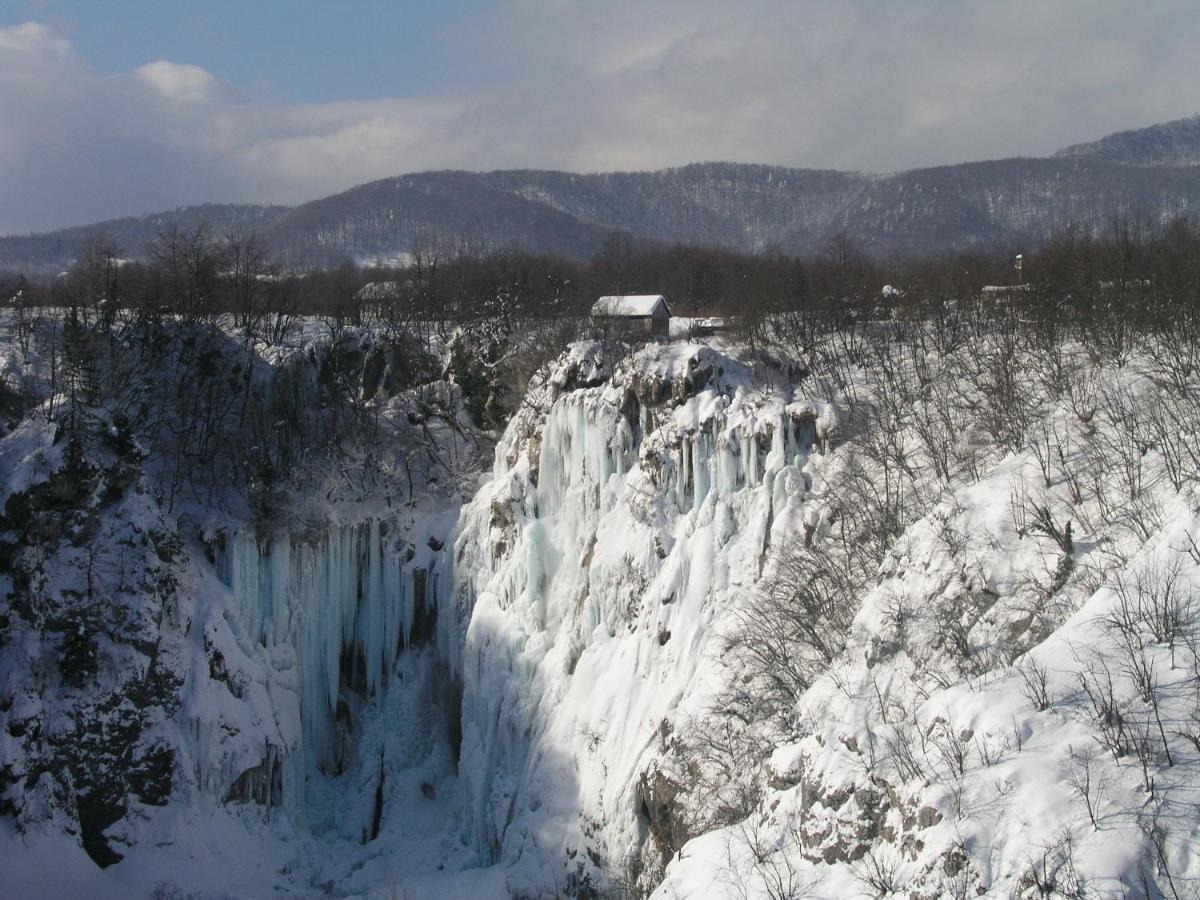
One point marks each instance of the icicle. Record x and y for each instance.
(777, 440)
(344, 593)
(374, 614)
(749, 460)
(701, 454)
(683, 475)
(727, 466)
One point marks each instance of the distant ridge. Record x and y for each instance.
(1174, 143)
(1152, 172)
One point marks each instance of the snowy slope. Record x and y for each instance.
(548, 679)
(1010, 717)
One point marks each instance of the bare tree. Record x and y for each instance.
(794, 626)
(246, 266)
(1086, 779)
(189, 264)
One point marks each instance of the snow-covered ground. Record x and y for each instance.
(541, 673)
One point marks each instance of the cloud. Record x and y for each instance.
(181, 83)
(77, 146)
(601, 85)
(854, 84)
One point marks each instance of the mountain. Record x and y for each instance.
(1174, 143)
(51, 252)
(752, 208)
(383, 218)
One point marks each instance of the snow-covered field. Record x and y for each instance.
(562, 668)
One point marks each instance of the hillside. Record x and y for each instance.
(752, 208)
(1174, 143)
(52, 252)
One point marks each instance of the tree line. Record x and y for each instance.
(1134, 266)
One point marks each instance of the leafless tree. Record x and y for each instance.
(189, 264)
(794, 625)
(246, 267)
(1035, 685)
(1085, 777)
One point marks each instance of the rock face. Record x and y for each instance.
(93, 653)
(663, 799)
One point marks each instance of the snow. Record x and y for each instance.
(572, 619)
(631, 305)
(632, 525)
(28, 455)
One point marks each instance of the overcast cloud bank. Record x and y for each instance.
(602, 86)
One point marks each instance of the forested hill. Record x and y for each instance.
(1174, 143)
(1013, 202)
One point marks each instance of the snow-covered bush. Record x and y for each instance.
(790, 631)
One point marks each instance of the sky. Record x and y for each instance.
(116, 107)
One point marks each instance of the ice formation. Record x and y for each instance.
(594, 564)
(327, 612)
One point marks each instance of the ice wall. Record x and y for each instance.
(318, 624)
(598, 565)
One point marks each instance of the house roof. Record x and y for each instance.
(379, 290)
(630, 305)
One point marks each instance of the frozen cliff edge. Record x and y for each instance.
(627, 513)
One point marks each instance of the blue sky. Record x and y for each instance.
(116, 107)
(299, 50)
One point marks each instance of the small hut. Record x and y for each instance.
(638, 314)
(378, 291)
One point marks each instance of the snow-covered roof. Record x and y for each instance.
(630, 305)
(379, 290)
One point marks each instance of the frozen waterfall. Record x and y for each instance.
(585, 566)
(346, 603)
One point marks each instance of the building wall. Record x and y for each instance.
(634, 326)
